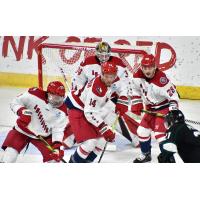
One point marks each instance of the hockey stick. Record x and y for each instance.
(113, 128)
(49, 146)
(124, 129)
(153, 113)
(162, 115)
(63, 74)
(192, 122)
(41, 139)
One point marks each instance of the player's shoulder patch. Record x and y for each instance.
(38, 93)
(117, 61)
(160, 79)
(90, 61)
(98, 87)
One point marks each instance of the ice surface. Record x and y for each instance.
(124, 153)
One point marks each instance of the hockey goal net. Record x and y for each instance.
(60, 61)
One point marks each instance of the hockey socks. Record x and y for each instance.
(145, 146)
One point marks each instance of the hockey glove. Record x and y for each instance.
(122, 105)
(106, 132)
(24, 117)
(58, 153)
(137, 105)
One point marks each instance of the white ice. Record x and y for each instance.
(124, 152)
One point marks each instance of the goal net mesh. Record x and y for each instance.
(60, 61)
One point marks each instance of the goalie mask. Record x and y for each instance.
(56, 93)
(173, 117)
(148, 65)
(103, 51)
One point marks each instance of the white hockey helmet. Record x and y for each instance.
(103, 51)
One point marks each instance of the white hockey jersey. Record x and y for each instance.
(45, 119)
(94, 97)
(90, 69)
(156, 93)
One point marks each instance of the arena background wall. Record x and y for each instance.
(18, 58)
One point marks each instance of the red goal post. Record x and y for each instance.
(60, 61)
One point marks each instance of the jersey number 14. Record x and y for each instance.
(92, 103)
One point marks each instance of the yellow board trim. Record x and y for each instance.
(18, 80)
(29, 80)
(189, 92)
(26, 80)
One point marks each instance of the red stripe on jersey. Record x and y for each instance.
(83, 151)
(38, 93)
(91, 60)
(160, 136)
(144, 138)
(25, 129)
(77, 99)
(98, 149)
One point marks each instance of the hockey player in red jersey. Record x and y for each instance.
(153, 89)
(40, 113)
(89, 69)
(86, 117)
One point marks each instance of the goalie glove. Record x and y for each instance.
(24, 117)
(106, 132)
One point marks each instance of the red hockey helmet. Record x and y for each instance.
(148, 61)
(108, 68)
(57, 88)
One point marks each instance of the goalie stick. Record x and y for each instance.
(124, 129)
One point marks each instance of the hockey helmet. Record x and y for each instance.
(148, 66)
(57, 88)
(148, 61)
(108, 68)
(56, 93)
(103, 51)
(173, 117)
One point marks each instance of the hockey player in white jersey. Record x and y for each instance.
(91, 68)
(40, 113)
(85, 113)
(153, 89)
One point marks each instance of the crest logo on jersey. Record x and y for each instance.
(58, 114)
(163, 80)
(99, 90)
